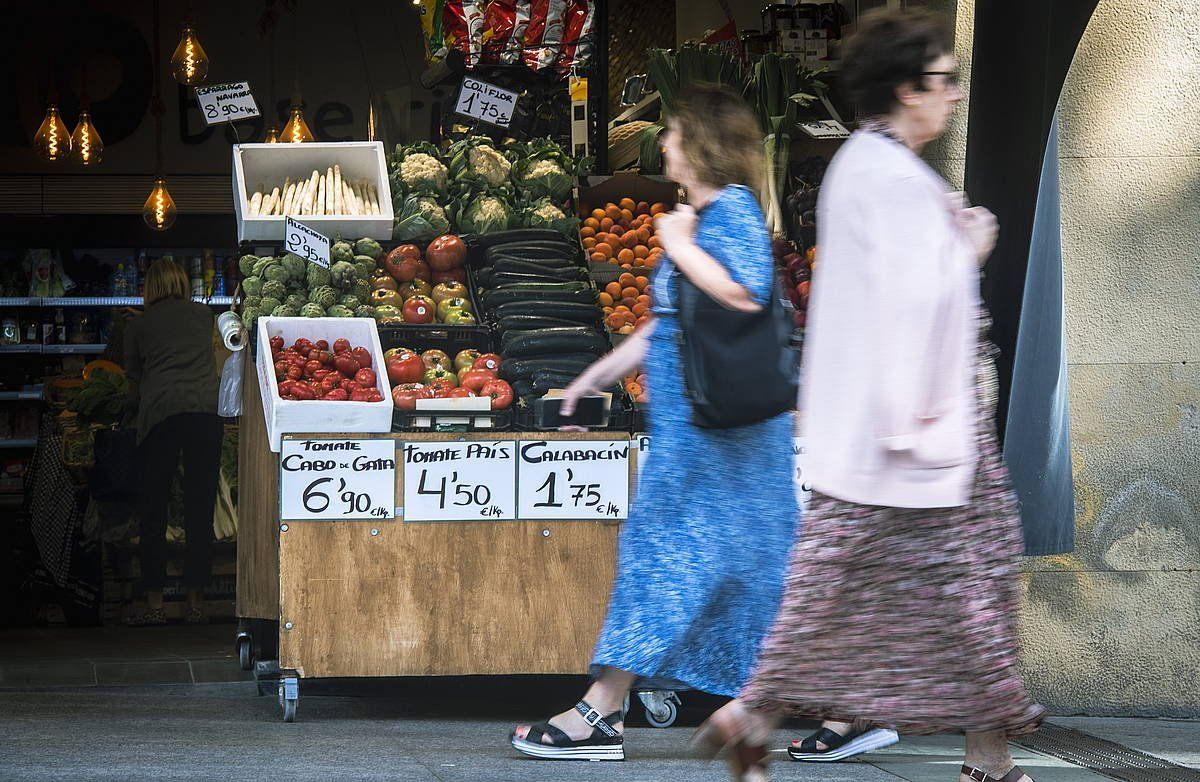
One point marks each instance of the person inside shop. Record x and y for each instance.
(173, 389)
(900, 603)
(703, 553)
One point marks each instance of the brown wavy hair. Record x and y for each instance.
(166, 279)
(722, 140)
(892, 47)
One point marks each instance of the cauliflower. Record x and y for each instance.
(485, 214)
(422, 171)
(545, 170)
(543, 213)
(489, 164)
(419, 219)
(549, 211)
(476, 164)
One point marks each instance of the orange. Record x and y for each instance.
(605, 299)
(592, 223)
(633, 389)
(599, 258)
(629, 239)
(643, 298)
(626, 280)
(640, 309)
(629, 292)
(587, 231)
(626, 216)
(613, 289)
(606, 224)
(642, 208)
(627, 266)
(641, 282)
(643, 235)
(627, 203)
(618, 229)
(653, 243)
(589, 243)
(612, 213)
(658, 208)
(597, 214)
(641, 252)
(625, 256)
(614, 321)
(605, 249)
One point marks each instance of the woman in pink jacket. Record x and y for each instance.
(900, 605)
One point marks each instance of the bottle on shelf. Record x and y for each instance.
(60, 327)
(133, 277)
(118, 283)
(48, 332)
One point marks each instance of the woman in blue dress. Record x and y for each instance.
(702, 557)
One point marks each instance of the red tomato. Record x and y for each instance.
(405, 395)
(500, 392)
(445, 253)
(341, 346)
(330, 382)
(276, 344)
(303, 346)
(365, 378)
(281, 369)
(406, 368)
(312, 368)
(294, 372)
(321, 344)
(419, 309)
(336, 395)
(475, 379)
(303, 392)
(460, 393)
(360, 395)
(440, 388)
(373, 395)
(285, 387)
(489, 361)
(362, 356)
(394, 262)
(454, 275)
(348, 384)
(346, 364)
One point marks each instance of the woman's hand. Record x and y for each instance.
(980, 225)
(676, 229)
(587, 384)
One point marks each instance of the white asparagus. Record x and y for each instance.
(301, 206)
(329, 205)
(350, 199)
(358, 197)
(289, 195)
(255, 202)
(274, 203)
(311, 206)
(339, 206)
(374, 200)
(320, 196)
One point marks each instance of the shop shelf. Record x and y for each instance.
(74, 349)
(27, 395)
(105, 301)
(18, 443)
(31, 348)
(18, 301)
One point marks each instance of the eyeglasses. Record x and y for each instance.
(952, 77)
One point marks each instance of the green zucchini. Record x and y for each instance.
(506, 265)
(529, 322)
(518, 235)
(512, 278)
(496, 297)
(585, 312)
(546, 379)
(578, 339)
(513, 369)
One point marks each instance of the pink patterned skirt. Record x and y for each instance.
(905, 617)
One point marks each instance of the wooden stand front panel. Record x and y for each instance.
(258, 507)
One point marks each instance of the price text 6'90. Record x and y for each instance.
(317, 501)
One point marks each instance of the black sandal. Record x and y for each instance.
(839, 747)
(1015, 774)
(605, 742)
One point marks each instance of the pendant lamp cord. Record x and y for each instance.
(156, 105)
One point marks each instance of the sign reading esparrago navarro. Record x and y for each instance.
(226, 102)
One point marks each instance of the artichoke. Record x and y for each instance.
(249, 317)
(246, 265)
(325, 296)
(338, 311)
(349, 300)
(275, 290)
(296, 300)
(363, 266)
(283, 311)
(251, 301)
(341, 251)
(318, 276)
(361, 290)
(364, 311)
(369, 248)
(311, 310)
(344, 275)
(269, 305)
(260, 267)
(277, 272)
(296, 267)
(252, 286)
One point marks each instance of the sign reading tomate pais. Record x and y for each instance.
(460, 481)
(337, 479)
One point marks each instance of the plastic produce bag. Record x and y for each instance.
(230, 399)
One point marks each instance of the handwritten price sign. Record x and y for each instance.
(486, 102)
(576, 479)
(460, 481)
(226, 102)
(308, 244)
(337, 479)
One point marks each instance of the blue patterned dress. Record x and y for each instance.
(703, 555)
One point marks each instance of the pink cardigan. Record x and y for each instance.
(888, 383)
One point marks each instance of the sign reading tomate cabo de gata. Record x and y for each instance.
(337, 479)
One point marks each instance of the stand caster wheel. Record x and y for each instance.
(245, 652)
(661, 708)
(289, 698)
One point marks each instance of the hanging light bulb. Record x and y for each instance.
(272, 136)
(86, 147)
(52, 141)
(189, 63)
(296, 130)
(159, 209)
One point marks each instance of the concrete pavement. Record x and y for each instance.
(223, 731)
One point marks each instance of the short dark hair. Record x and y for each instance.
(890, 48)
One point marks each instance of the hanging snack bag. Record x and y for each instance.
(552, 38)
(431, 27)
(577, 36)
(462, 26)
(516, 41)
(499, 20)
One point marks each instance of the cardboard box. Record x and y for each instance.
(268, 165)
(293, 417)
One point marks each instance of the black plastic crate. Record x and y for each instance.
(440, 335)
(620, 417)
(409, 420)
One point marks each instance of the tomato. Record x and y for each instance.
(336, 395)
(445, 253)
(405, 368)
(465, 359)
(276, 345)
(346, 364)
(373, 395)
(321, 374)
(362, 356)
(460, 393)
(440, 373)
(405, 395)
(365, 377)
(312, 367)
(294, 372)
(499, 391)
(321, 344)
(303, 392)
(330, 382)
(394, 262)
(489, 361)
(281, 369)
(476, 379)
(347, 384)
(303, 346)
(341, 346)
(360, 395)
(285, 387)
(436, 358)
(454, 275)
(441, 387)
(419, 309)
